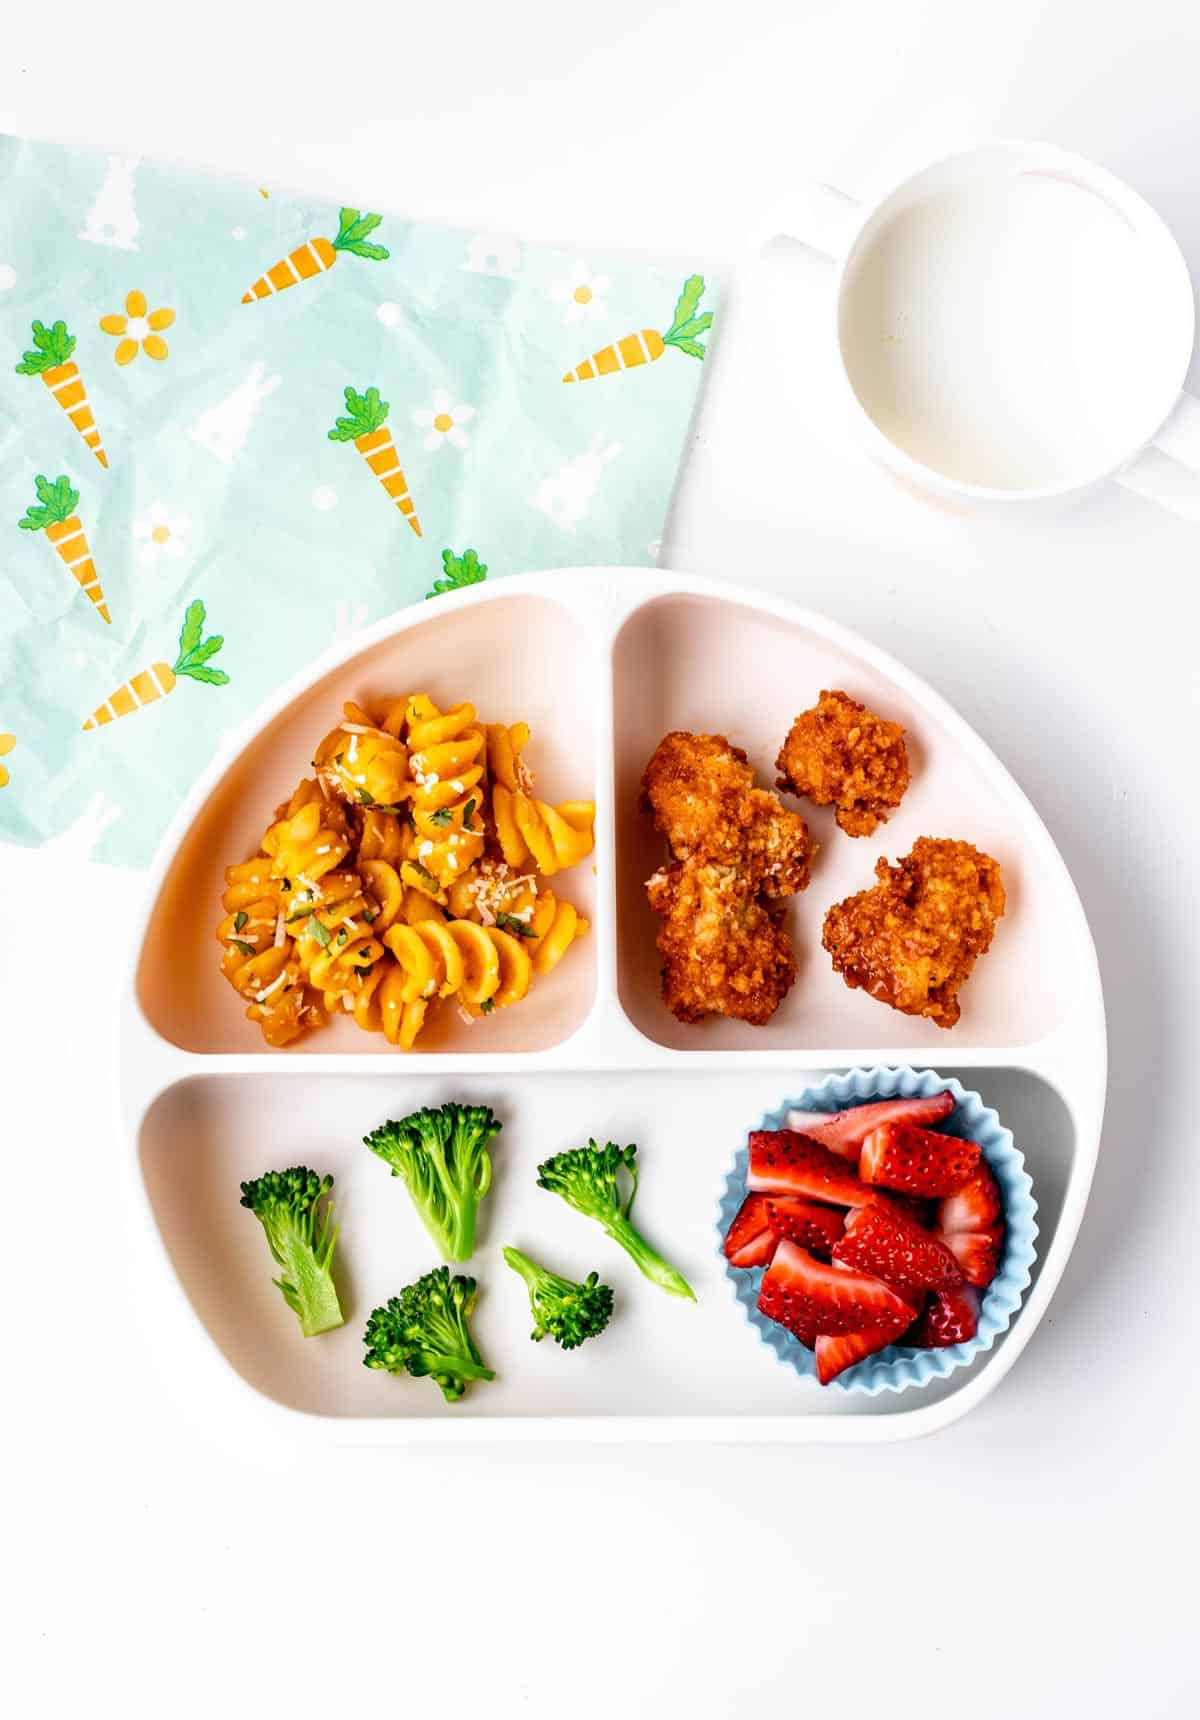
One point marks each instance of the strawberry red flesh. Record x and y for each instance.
(917, 1161)
(844, 1132)
(750, 1239)
(881, 1241)
(782, 1162)
(814, 1227)
(949, 1317)
(976, 1206)
(811, 1298)
(977, 1252)
(922, 1212)
(836, 1354)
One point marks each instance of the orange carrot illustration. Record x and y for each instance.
(55, 515)
(647, 344)
(314, 256)
(51, 360)
(160, 678)
(365, 426)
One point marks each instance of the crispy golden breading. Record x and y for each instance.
(913, 938)
(725, 952)
(702, 794)
(841, 754)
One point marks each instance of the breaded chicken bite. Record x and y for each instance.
(724, 951)
(702, 794)
(841, 754)
(912, 940)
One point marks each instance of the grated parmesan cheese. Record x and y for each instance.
(262, 996)
(280, 929)
(364, 729)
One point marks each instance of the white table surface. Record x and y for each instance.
(1036, 1559)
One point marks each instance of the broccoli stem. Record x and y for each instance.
(307, 1285)
(648, 1262)
(533, 1274)
(450, 1371)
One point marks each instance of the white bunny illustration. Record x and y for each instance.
(223, 429)
(112, 218)
(566, 497)
(348, 619)
(493, 254)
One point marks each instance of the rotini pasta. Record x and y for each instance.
(258, 958)
(405, 875)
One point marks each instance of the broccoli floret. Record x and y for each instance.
(301, 1240)
(424, 1330)
(587, 1179)
(570, 1312)
(442, 1155)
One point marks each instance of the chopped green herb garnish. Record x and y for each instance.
(487, 1006)
(423, 873)
(370, 915)
(342, 936)
(239, 920)
(468, 809)
(318, 931)
(518, 928)
(246, 949)
(441, 816)
(366, 797)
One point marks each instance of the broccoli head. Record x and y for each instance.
(589, 1179)
(442, 1155)
(570, 1312)
(424, 1330)
(301, 1237)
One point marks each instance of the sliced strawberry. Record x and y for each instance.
(844, 1132)
(814, 1227)
(836, 1354)
(916, 1161)
(750, 1240)
(976, 1206)
(809, 1297)
(949, 1317)
(879, 1240)
(977, 1252)
(785, 1163)
(922, 1212)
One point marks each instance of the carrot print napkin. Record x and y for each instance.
(235, 426)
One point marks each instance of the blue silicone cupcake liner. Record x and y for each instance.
(896, 1369)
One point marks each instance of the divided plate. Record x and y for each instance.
(601, 663)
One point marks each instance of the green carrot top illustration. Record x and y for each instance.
(352, 235)
(685, 324)
(365, 413)
(52, 346)
(56, 502)
(460, 570)
(195, 650)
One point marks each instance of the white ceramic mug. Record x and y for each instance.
(1013, 324)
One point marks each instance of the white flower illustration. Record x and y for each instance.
(444, 422)
(161, 534)
(582, 298)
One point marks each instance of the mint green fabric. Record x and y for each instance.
(226, 511)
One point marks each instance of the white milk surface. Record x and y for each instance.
(1011, 332)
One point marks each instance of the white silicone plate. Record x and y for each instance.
(601, 663)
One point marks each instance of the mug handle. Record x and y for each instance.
(819, 216)
(1179, 440)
